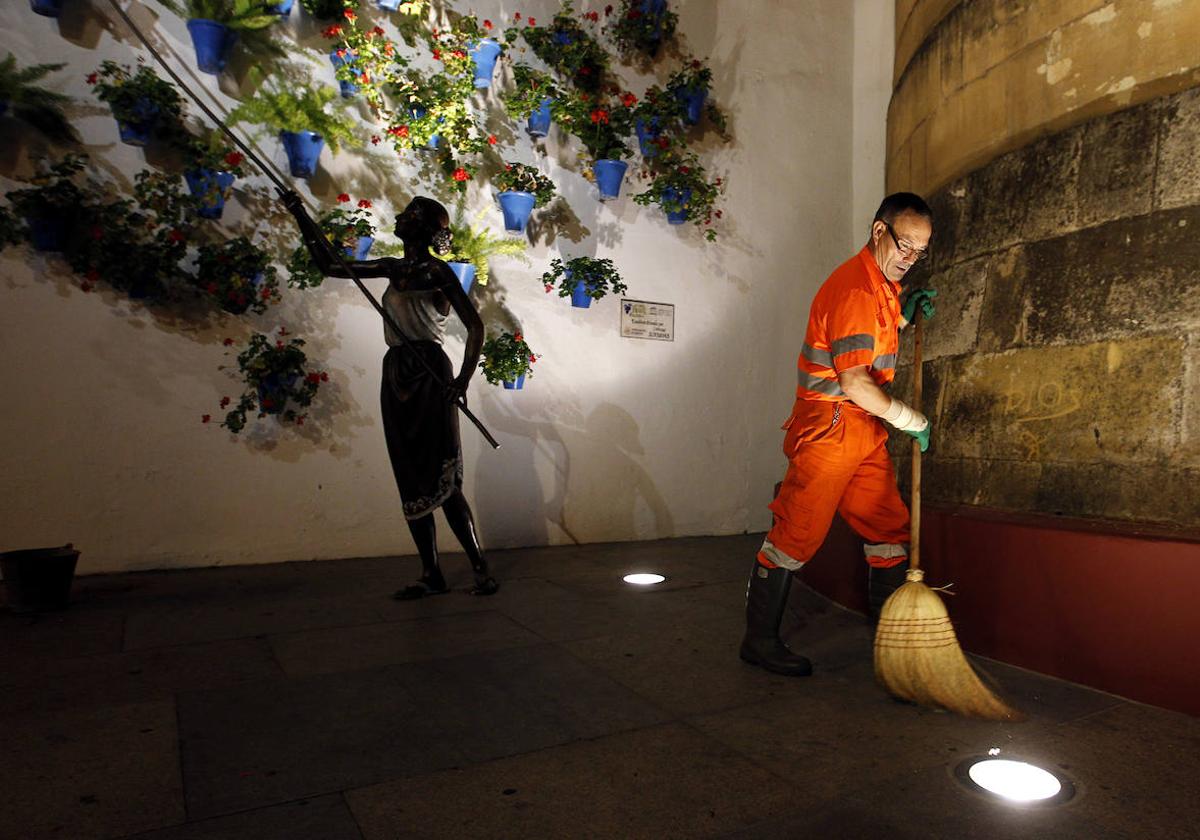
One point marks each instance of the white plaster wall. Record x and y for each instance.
(612, 439)
(874, 48)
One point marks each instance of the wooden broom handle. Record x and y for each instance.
(914, 551)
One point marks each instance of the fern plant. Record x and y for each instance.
(297, 105)
(475, 244)
(35, 105)
(236, 14)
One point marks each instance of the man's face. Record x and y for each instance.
(912, 231)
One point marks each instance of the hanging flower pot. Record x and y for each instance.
(389, 5)
(677, 217)
(47, 8)
(137, 130)
(693, 102)
(609, 175)
(237, 300)
(273, 391)
(418, 112)
(516, 207)
(361, 248)
(212, 41)
(562, 38)
(283, 9)
(515, 385)
(539, 120)
(465, 272)
(346, 57)
(484, 55)
(303, 151)
(47, 233)
(210, 189)
(39, 578)
(648, 131)
(580, 298)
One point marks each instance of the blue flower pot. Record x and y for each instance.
(361, 248)
(647, 132)
(138, 129)
(693, 102)
(516, 207)
(275, 388)
(609, 174)
(47, 8)
(516, 385)
(671, 194)
(47, 233)
(348, 88)
(484, 54)
(388, 5)
(465, 272)
(539, 120)
(212, 41)
(283, 9)
(303, 151)
(579, 295)
(563, 38)
(210, 189)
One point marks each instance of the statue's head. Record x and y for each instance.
(426, 221)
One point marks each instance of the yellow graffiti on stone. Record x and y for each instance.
(1046, 401)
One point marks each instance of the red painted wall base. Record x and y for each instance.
(1107, 605)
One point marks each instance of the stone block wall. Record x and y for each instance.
(1062, 370)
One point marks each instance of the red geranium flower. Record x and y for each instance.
(228, 342)
(683, 170)
(592, 16)
(96, 232)
(268, 403)
(224, 401)
(364, 204)
(332, 31)
(324, 376)
(374, 139)
(600, 116)
(234, 158)
(437, 55)
(607, 11)
(696, 64)
(460, 174)
(378, 30)
(92, 78)
(533, 21)
(487, 24)
(176, 236)
(459, 54)
(519, 337)
(516, 15)
(629, 100)
(283, 331)
(205, 418)
(492, 140)
(314, 378)
(92, 275)
(343, 198)
(349, 13)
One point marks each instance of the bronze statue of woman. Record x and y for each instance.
(420, 422)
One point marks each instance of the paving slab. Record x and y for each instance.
(320, 818)
(372, 645)
(58, 635)
(90, 773)
(666, 781)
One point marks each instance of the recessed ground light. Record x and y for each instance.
(643, 579)
(1013, 782)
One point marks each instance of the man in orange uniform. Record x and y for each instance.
(835, 444)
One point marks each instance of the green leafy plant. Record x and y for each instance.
(601, 123)
(569, 49)
(370, 59)
(599, 277)
(38, 106)
(211, 151)
(138, 96)
(276, 379)
(476, 244)
(637, 28)
(505, 357)
(343, 226)
(238, 275)
(236, 14)
(661, 111)
(521, 177)
(679, 184)
(531, 88)
(328, 9)
(279, 107)
(54, 192)
(694, 75)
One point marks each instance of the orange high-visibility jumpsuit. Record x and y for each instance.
(837, 460)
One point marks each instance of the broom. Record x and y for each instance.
(917, 656)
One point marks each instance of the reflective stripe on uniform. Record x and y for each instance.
(887, 361)
(861, 341)
(828, 387)
(817, 356)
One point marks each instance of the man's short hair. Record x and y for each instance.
(902, 202)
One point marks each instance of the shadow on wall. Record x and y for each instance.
(599, 481)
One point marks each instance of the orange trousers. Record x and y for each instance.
(837, 461)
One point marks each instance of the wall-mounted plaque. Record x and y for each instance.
(644, 319)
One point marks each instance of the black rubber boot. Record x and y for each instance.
(766, 598)
(881, 583)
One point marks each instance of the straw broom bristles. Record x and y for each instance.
(917, 656)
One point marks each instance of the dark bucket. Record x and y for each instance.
(39, 578)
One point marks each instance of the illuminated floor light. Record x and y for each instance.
(643, 579)
(1014, 782)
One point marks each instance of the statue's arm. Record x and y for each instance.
(321, 250)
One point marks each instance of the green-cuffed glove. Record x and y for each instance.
(922, 437)
(919, 297)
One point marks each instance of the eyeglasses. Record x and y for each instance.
(914, 254)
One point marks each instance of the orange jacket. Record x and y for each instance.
(854, 320)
